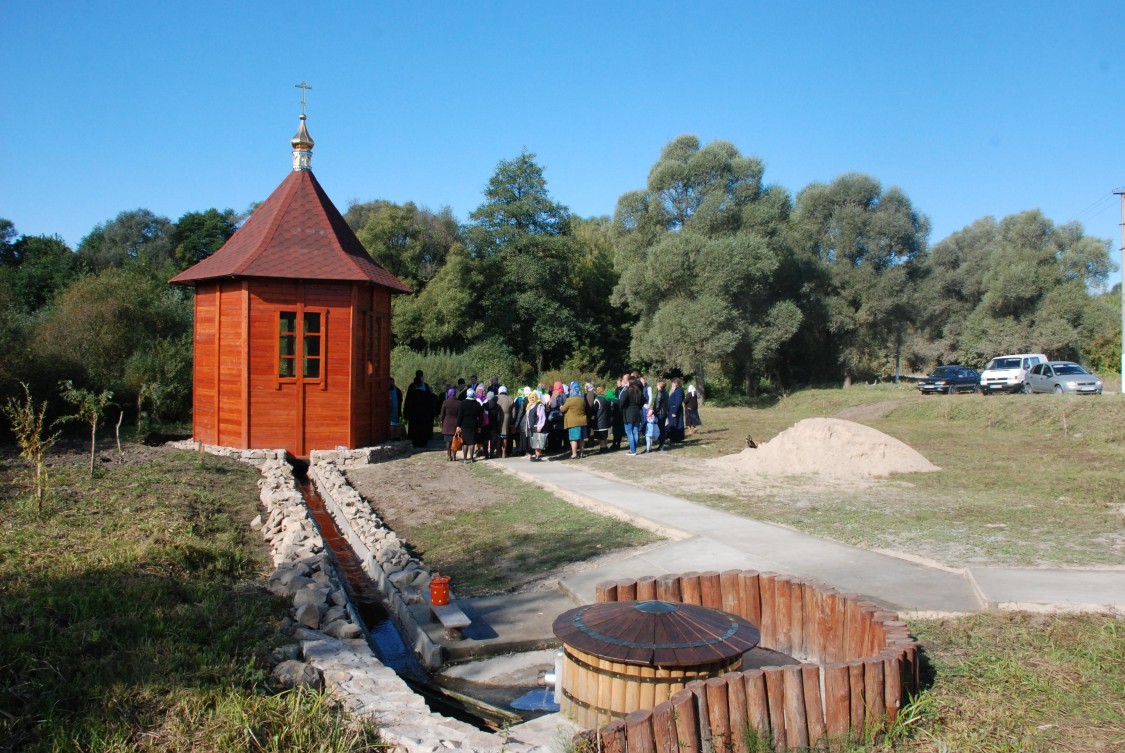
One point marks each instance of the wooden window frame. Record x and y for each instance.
(299, 358)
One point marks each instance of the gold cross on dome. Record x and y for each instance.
(303, 87)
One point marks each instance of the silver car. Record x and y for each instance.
(1062, 377)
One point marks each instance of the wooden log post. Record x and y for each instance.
(853, 631)
(858, 699)
(702, 713)
(768, 627)
(775, 695)
(814, 708)
(690, 589)
(627, 590)
(639, 736)
(797, 619)
(664, 728)
(874, 690)
(728, 584)
(892, 677)
(686, 714)
(837, 701)
(605, 591)
(783, 614)
(867, 612)
(710, 589)
(757, 702)
(613, 737)
(796, 721)
(750, 597)
(718, 713)
(736, 710)
(814, 641)
(831, 636)
(668, 588)
(646, 588)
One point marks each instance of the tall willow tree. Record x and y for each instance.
(703, 263)
(867, 242)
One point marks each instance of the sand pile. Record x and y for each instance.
(829, 447)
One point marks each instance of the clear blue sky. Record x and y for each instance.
(973, 108)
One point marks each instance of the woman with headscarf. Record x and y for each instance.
(535, 425)
(574, 419)
(555, 424)
(448, 419)
(469, 422)
(691, 410)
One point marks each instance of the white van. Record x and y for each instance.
(1009, 373)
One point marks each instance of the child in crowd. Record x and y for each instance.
(652, 430)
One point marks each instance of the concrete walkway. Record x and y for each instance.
(702, 538)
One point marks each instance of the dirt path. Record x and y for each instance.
(422, 488)
(870, 412)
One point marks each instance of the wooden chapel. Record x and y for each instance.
(292, 327)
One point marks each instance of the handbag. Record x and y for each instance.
(457, 443)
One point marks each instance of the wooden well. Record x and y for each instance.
(628, 655)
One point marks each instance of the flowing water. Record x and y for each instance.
(383, 636)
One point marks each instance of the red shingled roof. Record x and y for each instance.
(296, 233)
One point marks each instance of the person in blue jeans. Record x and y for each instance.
(632, 401)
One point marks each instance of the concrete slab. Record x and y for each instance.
(716, 540)
(500, 624)
(1031, 588)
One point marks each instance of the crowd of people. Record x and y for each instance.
(487, 420)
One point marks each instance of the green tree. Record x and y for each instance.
(1022, 284)
(30, 427)
(520, 241)
(197, 235)
(99, 323)
(135, 237)
(702, 256)
(867, 242)
(34, 269)
(409, 241)
(89, 407)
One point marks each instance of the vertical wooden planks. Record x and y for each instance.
(702, 714)
(687, 719)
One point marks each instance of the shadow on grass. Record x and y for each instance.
(102, 654)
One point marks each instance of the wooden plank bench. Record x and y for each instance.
(452, 619)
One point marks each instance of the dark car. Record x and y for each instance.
(950, 379)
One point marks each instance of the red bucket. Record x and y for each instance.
(439, 590)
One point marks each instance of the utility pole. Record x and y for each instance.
(1122, 194)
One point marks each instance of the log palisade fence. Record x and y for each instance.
(859, 664)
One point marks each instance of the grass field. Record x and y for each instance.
(133, 616)
(1026, 479)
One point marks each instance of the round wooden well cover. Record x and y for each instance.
(656, 633)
